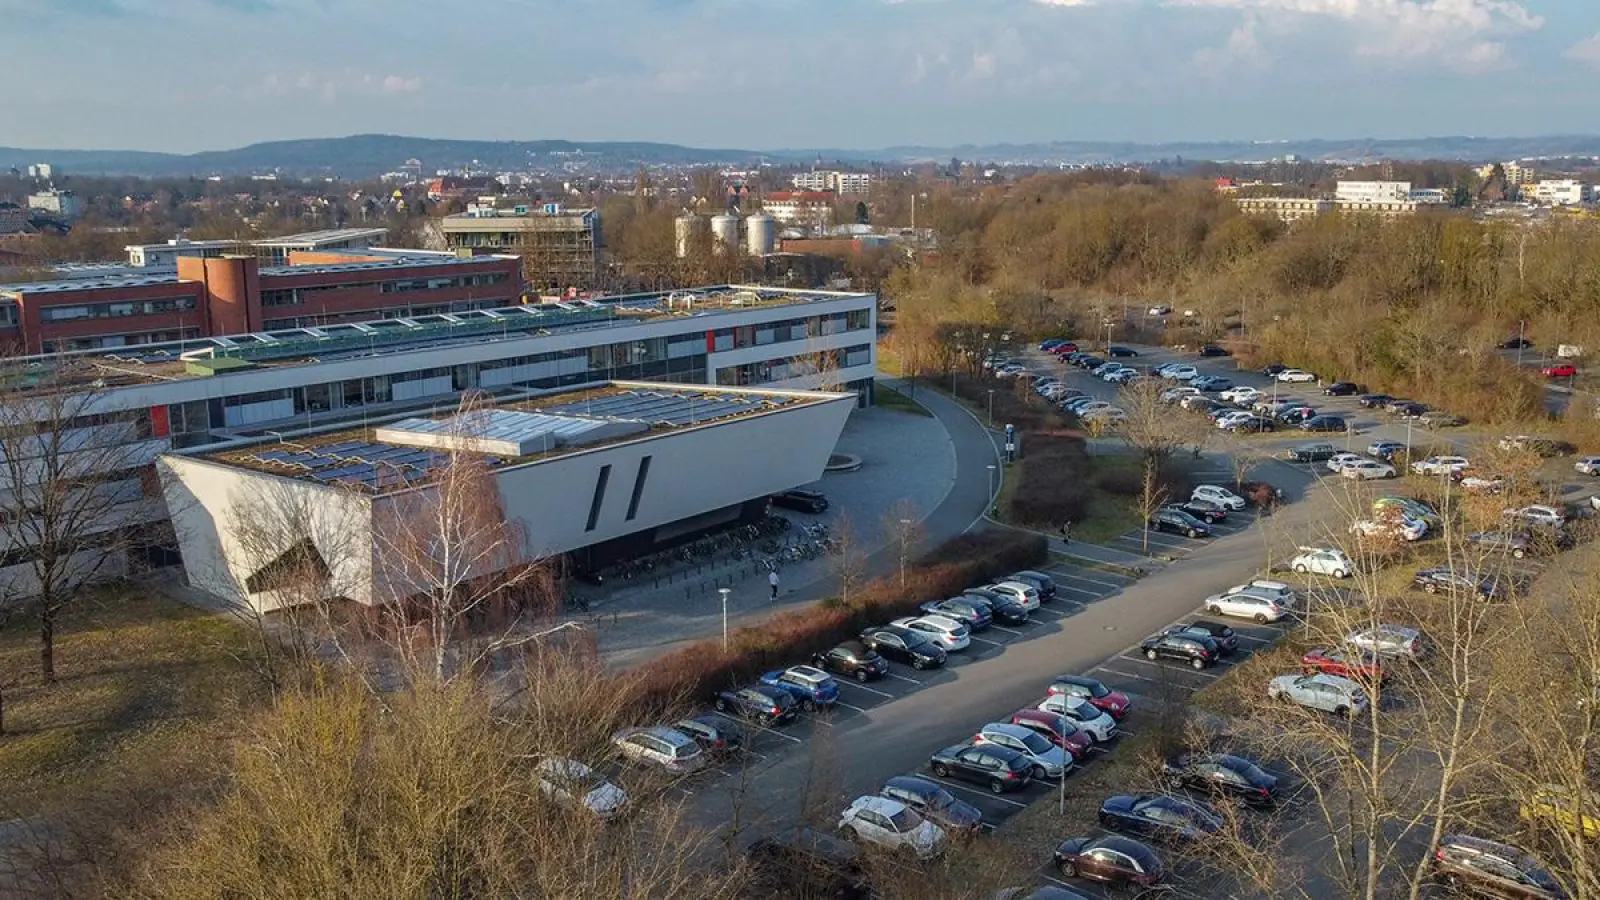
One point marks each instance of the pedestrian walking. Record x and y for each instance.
(772, 579)
(1066, 532)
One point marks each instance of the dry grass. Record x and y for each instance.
(148, 690)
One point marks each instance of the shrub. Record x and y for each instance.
(1053, 485)
(691, 674)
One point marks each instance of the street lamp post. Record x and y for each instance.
(905, 530)
(1408, 442)
(1520, 324)
(724, 592)
(992, 471)
(991, 407)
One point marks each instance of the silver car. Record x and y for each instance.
(1329, 693)
(667, 748)
(1049, 761)
(574, 783)
(1391, 641)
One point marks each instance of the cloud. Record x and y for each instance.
(395, 84)
(1586, 51)
(1065, 2)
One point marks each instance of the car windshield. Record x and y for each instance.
(905, 819)
(1036, 742)
(940, 799)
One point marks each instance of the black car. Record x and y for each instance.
(1091, 363)
(904, 646)
(1197, 650)
(1516, 543)
(1325, 423)
(1223, 774)
(1159, 817)
(1514, 344)
(1313, 453)
(1201, 404)
(1342, 389)
(759, 703)
(715, 735)
(1493, 869)
(1044, 583)
(1214, 350)
(1409, 410)
(1271, 370)
(854, 659)
(934, 803)
(972, 613)
(1227, 639)
(1202, 509)
(1119, 351)
(1001, 768)
(1297, 414)
(1168, 519)
(1444, 579)
(803, 862)
(1001, 607)
(1374, 401)
(801, 500)
(1253, 424)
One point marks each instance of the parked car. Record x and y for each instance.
(1197, 651)
(1310, 453)
(1490, 868)
(801, 500)
(1045, 585)
(1321, 691)
(717, 737)
(1560, 807)
(1409, 410)
(934, 803)
(664, 748)
(1440, 465)
(575, 784)
(1169, 518)
(1588, 465)
(854, 660)
(1241, 396)
(973, 615)
(1435, 418)
(1296, 415)
(1226, 638)
(1211, 383)
(1204, 510)
(1271, 370)
(1295, 376)
(1025, 594)
(1325, 423)
(1180, 373)
(1001, 607)
(1329, 561)
(1159, 817)
(1538, 515)
(892, 824)
(1201, 404)
(1250, 424)
(1001, 769)
(1219, 495)
(1517, 543)
(1515, 343)
(1411, 507)
(1060, 730)
(1246, 605)
(1113, 860)
(1374, 401)
(810, 686)
(1481, 484)
(1446, 579)
(1356, 665)
(1342, 389)
(1221, 774)
(1385, 450)
(1368, 470)
(1048, 760)
(1398, 404)
(904, 646)
(1559, 370)
(947, 633)
(759, 703)
(1116, 703)
(1389, 641)
(1097, 723)
(1174, 394)
(810, 863)
(1214, 350)
(1119, 351)
(1339, 461)
(1276, 591)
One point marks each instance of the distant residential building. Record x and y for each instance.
(841, 183)
(1362, 192)
(806, 209)
(1289, 209)
(275, 251)
(1401, 207)
(1517, 174)
(1563, 192)
(61, 204)
(41, 171)
(1429, 196)
(1226, 185)
(13, 218)
(560, 246)
(165, 256)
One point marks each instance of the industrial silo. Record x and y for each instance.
(687, 228)
(761, 234)
(725, 233)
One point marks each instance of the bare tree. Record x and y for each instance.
(848, 561)
(1152, 496)
(903, 523)
(1157, 429)
(72, 498)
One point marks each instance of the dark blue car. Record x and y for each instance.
(760, 703)
(808, 685)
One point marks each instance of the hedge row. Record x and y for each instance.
(693, 673)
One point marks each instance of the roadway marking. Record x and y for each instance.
(861, 687)
(901, 678)
(1053, 612)
(1114, 585)
(847, 706)
(950, 782)
(1006, 630)
(774, 731)
(1088, 593)
(987, 641)
(1122, 674)
(1250, 637)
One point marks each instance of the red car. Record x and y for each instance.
(1062, 731)
(1355, 665)
(1064, 349)
(1560, 370)
(1116, 703)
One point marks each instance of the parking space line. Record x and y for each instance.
(951, 783)
(774, 731)
(1103, 591)
(1053, 612)
(850, 706)
(985, 641)
(902, 678)
(861, 687)
(1006, 630)
(1121, 674)
(1115, 585)
(1253, 638)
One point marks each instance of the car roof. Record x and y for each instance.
(1130, 847)
(810, 673)
(671, 735)
(914, 784)
(855, 647)
(1006, 728)
(884, 805)
(819, 842)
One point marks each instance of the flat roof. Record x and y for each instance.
(386, 458)
(112, 275)
(91, 283)
(379, 265)
(329, 236)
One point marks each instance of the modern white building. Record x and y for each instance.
(1359, 192)
(62, 204)
(841, 183)
(1429, 196)
(1289, 209)
(1562, 192)
(607, 470)
(165, 256)
(804, 209)
(41, 171)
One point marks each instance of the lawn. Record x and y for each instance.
(147, 691)
(889, 398)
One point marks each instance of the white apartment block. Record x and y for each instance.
(1563, 192)
(1289, 209)
(841, 183)
(1362, 192)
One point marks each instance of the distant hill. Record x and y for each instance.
(366, 155)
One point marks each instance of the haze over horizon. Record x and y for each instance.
(190, 75)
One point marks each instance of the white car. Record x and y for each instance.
(1588, 465)
(1221, 496)
(1241, 396)
(1262, 587)
(1230, 419)
(1388, 640)
(1173, 395)
(1026, 595)
(1105, 415)
(1322, 561)
(1160, 310)
(890, 823)
(1405, 527)
(574, 783)
(1091, 406)
(1478, 484)
(1538, 514)
(1292, 376)
(1109, 371)
(1338, 461)
(1011, 371)
(1367, 469)
(1093, 720)
(946, 632)
(1440, 465)
(1180, 373)
(1246, 606)
(1328, 693)
(1049, 761)
(666, 748)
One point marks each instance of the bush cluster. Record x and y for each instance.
(1053, 485)
(694, 672)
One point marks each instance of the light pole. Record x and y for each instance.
(1408, 442)
(992, 471)
(905, 532)
(1520, 324)
(991, 407)
(724, 592)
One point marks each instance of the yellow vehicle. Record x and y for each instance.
(1555, 805)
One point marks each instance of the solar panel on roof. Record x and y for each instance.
(342, 447)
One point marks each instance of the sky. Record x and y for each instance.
(187, 75)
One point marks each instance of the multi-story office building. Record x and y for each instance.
(1361, 192)
(560, 247)
(228, 294)
(61, 204)
(165, 256)
(805, 209)
(1289, 209)
(841, 183)
(1563, 192)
